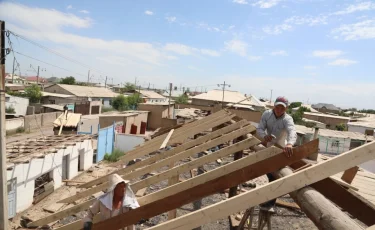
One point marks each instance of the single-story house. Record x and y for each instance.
(157, 112)
(365, 127)
(150, 96)
(326, 108)
(330, 120)
(84, 93)
(312, 110)
(128, 122)
(231, 98)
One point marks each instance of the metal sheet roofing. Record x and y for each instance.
(87, 91)
(70, 120)
(151, 94)
(229, 97)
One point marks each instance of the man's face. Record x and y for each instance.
(120, 190)
(279, 110)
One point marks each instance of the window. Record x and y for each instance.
(335, 144)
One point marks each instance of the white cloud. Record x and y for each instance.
(187, 50)
(84, 11)
(327, 53)
(243, 2)
(265, 4)
(356, 31)
(362, 6)
(289, 23)
(171, 19)
(254, 58)
(309, 67)
(237, 46)
(231, 27)
(279, 53)
(342, 62)
(69, 7)
(148, 12)
(208, 52)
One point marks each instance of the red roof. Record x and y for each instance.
(34, 78)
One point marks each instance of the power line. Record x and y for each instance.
(50, 64)
(54, 52)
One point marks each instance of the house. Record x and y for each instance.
(364, 127)
(326, 108)
(330, 120)
(127, 122)
(332, 141)
(19, 104)
(312, 110)
(84, 93)
(14, 79)
(35, 80)
(58, 99)
(37, 172)
(150, 96)
(14, 87)
(157, 112)
(231, 98)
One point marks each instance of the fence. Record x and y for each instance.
(106, 140)
(38, 120)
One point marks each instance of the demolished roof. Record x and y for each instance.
(68, 120)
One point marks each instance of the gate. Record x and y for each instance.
(106, 141)
(12, 197)
(143, 127)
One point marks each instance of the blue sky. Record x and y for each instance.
(308, 50)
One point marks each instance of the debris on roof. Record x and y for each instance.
(70, 120)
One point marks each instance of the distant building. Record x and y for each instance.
(364, 127)
(14, 79)
(150, 96)
(157, 112)
(326, 108)
(36, 80)
(306, 106)
(231, 98)
(84, 93)
(175, 94)
(19, 104)
(330, 120)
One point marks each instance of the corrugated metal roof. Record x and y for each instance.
(46, 94)
(334, 133)
(326, 115)
(87, 91)
(229, 97)
(150, 94)
(71, 120)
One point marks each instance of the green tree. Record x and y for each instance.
(119, 103)
(182, 99)
(129, 87)
(10, 109)
(133, 101)
(68, 80)
(295, 105)
(298, 115)
(33, 93)
(341, 127)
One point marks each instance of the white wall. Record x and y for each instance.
(18, 103)
(127, 142)
(358, 129)
(51, 163)
(325, 145)
(369, 166)
(13, 124)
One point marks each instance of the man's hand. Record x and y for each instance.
(268, 138)
(288, 150)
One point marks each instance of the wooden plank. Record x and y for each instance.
(180, 135)
(165, 142)
(371, 228)
(196, 163)
(61, 214)
(140, 192)
(171, 152)
(208, 183)
(348, 200)
(173, 180)
(349, 174)
(303, 167)
(342, 183)
(287, 204)
(160, 164)
(272, 190)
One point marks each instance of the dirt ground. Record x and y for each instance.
(284, 218)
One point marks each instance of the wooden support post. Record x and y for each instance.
(349, 174)
(237, 156)
(321, 211)
(213, 181)
(272, 190)
(315, 155)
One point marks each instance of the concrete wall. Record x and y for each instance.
(327, 144)
(59, 100)
(11, 125)
(142, 117)
(87, 122)
(157, 112)
(126, 142)
(106, 121)
(330, 121)
(369, 166)
(39, 120)
(166, 122)
(51, 163)
(18, 103)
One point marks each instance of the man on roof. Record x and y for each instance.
(277, 127)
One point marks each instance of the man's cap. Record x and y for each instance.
(282, 101)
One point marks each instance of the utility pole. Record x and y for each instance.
(14, 60)
(88, 78)
(271, 97)
(105, 83)
(223, 85)
(169, 100)
(37, 77)
(3, 177)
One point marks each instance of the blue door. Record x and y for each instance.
(106, 139)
